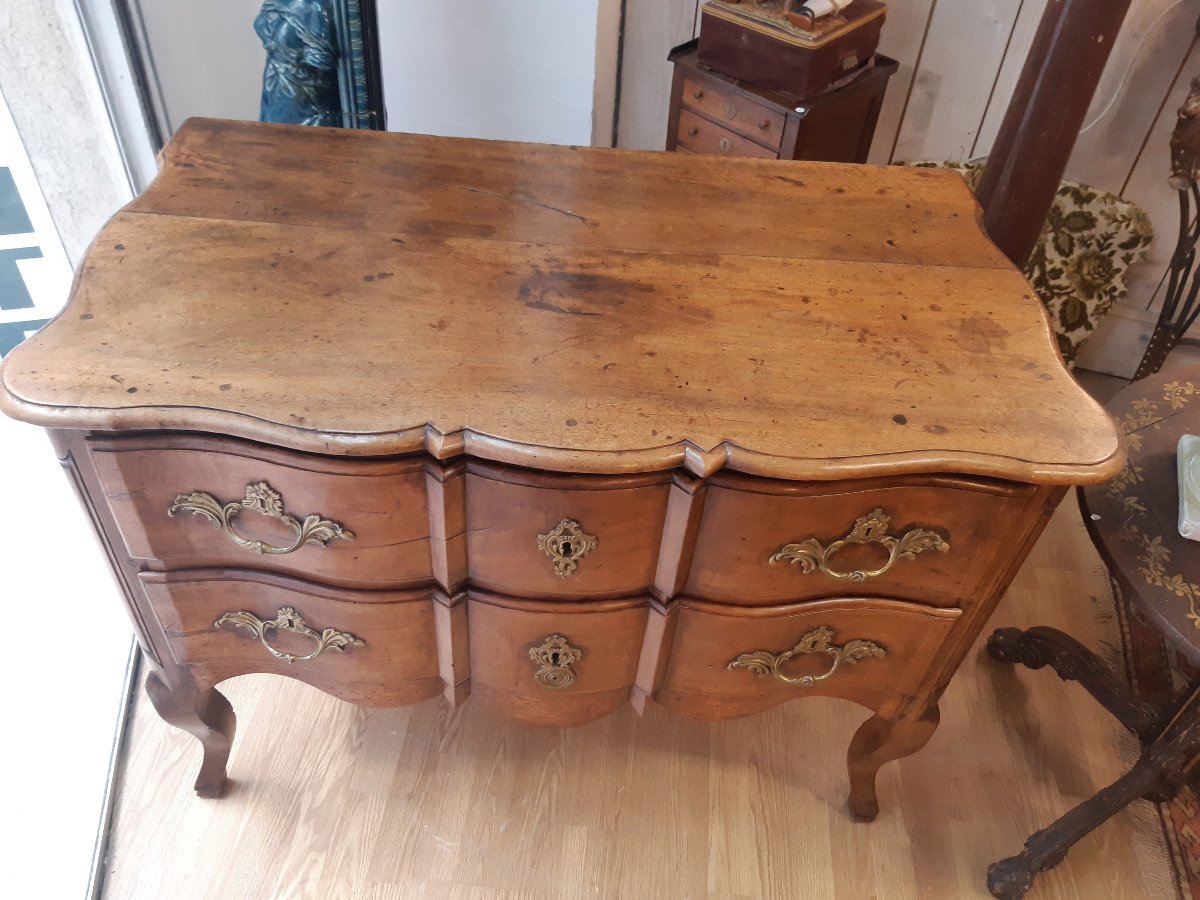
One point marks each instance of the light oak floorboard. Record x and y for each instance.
(331, 801)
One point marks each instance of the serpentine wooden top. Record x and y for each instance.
(569, 308)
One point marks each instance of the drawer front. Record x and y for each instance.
(929, 539)
(563, 537)
(732, 661)
(182, 501)
(543, 663)
(760, 123)
(699, 134)
(395, 663)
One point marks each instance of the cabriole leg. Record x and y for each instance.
(204, 713)
(880, 740)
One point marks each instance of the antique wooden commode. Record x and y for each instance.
(557, 427)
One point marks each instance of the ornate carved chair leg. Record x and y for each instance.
(203, 713)
(1163, 760)
(1042, 646)
(878, 741)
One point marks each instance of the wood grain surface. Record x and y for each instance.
(396, 664)
(747, 520)
(607, 633)
(330, 800)
(573, 309)
(699, 683)
(507, 509)
(382, 503)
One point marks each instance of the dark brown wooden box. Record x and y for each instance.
(793, 65)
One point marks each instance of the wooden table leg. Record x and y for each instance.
(880, 740)
(1162, 762)
(1166, 754)
(204, 713)
(1071, 661)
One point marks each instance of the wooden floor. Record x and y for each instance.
(330, 801)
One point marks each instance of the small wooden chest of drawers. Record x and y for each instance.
(717, 115)
(481, 419)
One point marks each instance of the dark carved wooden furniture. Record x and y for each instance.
(715, 114)
(1133, 522)
(558, 427)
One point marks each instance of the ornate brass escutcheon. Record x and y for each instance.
(287, 619)
(263, 499)
(566, 543)
(554, 657)
(869, 529)
(819, 640)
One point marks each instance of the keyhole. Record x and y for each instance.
(554, 658)
(565, 549)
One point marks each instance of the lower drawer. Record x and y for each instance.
(547, 663)
(699, 134)
(314, 630)
(728, 661)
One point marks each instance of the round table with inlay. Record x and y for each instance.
(1133, 520)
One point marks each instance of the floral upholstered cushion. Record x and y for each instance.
(1078, 266)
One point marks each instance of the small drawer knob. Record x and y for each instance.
(726, 145)
(764, 124)
(693, 131)
(698, 94)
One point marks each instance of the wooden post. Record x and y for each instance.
(1047, 110)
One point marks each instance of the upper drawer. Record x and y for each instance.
(931, 539)
(563, 536)
(745, 116)
(699, 134)
(195, 500)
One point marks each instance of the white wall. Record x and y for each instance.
(206, 59)
(522, 70)
(529, 70)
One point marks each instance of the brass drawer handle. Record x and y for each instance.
(698, 94)
(263, 499)
(693, 131)
(287, 619)
(869, 529)
(763, 662)
(566, 543)
(726, 145)
(554, 657)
